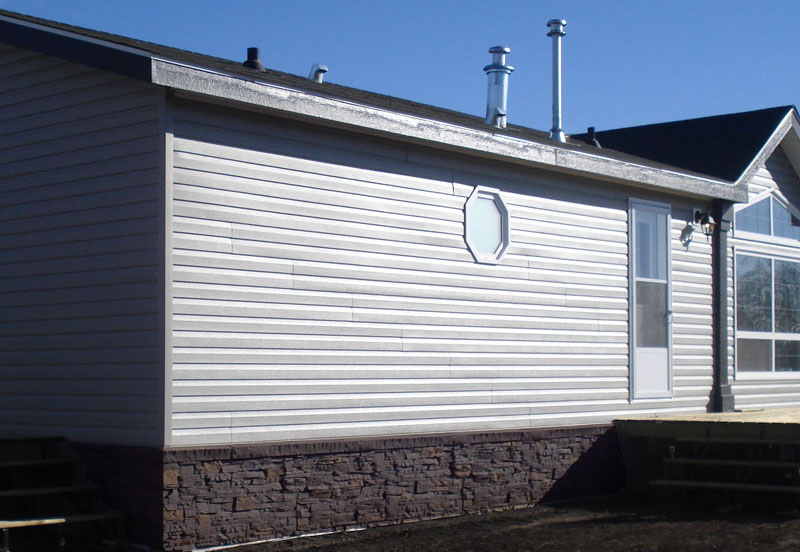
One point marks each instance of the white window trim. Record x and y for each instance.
(765, 238)
(633, 203)
(505, 232)
(744, 375)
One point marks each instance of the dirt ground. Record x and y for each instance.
(605, 524)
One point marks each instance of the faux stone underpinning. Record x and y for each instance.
(242, 493)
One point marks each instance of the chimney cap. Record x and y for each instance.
(499, 59)
(557, 27)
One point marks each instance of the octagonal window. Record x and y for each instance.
(486, 225)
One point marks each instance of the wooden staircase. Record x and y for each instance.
(737, 458)
(46, 502)
(731, 465)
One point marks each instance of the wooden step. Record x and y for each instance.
(733, 463)
(718, 486)
(16, 523)
(734, 441)
(27, 438)
(38, 462)
(66, 519)
(30, 448)
(38, 491)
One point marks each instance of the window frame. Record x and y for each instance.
(770, 238)
(772, 336)
(496, 257)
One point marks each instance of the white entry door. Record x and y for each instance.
(650, 297)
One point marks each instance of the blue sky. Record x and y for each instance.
(625, 62)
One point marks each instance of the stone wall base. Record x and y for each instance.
(235, 494)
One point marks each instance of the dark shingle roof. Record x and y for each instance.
(722, 146)
(233, 67)
(98, 55)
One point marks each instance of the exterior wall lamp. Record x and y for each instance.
(706, 222)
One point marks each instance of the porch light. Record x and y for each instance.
(706, 222)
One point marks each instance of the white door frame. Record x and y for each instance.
(644, 354)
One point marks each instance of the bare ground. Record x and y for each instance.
(601, 524)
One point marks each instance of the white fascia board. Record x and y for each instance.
(766, 150)
(340, 112)
(791, 143)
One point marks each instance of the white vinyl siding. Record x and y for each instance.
(323, 288)
(80, 173)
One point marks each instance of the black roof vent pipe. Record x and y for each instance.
(252, 61)
(593, 138)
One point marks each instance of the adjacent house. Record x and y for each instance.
(262, 306)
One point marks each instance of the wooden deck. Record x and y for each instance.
(776, 425)
(753, 451)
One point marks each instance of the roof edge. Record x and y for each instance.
(332, 111)
(73, 46)
(772, 143)
(290, 101)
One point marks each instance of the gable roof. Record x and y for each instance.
(195, 75)
(723, 146)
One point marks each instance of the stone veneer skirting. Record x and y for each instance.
(234, 494)
(181, 499)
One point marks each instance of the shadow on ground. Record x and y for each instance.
(614, 523)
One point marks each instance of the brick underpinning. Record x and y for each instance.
(234, 494)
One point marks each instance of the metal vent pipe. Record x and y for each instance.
(252, 61)
(557, 31)
(497, 96)
(317, 72)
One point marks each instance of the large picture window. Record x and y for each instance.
(767, 314)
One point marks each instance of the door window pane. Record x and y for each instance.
(787, 356)
(787, 297)
(651, 244)
(753, 293)
(753, 355)
(651, 314)
(755, 218)
(785, 224)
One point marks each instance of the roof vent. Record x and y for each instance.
(252, 61)
(557, 31)
(592, 137)
(317, 72)
(497, 97)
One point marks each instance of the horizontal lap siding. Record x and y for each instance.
(753, 390)
(79, 252)
(692, 330)
(777, 173)
(316, 296)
